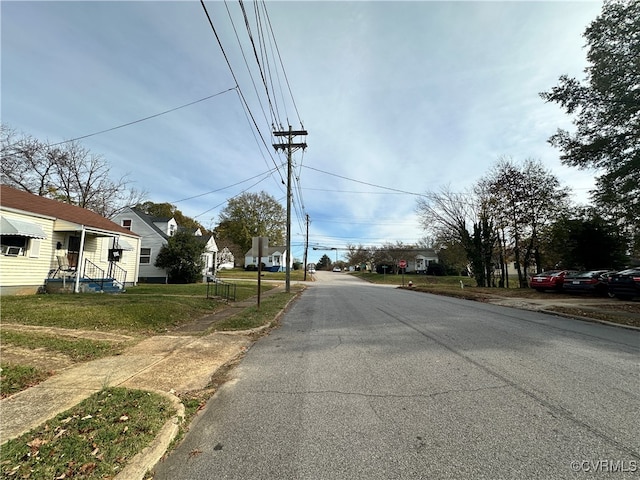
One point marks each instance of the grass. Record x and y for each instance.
(15, 378)
(145, 309)
(95, 439)
(78, 349)
(98, 437)
(253, 317)
(239, 273)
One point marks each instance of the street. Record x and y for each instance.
(373, 382)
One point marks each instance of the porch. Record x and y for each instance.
(90, 279)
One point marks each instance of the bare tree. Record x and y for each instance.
(461, 218)
(26, 164)
(67, 172)
(358, 255)
(522, 198)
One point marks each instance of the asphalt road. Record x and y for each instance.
(372, 382)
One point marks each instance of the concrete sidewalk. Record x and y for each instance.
(180, 362)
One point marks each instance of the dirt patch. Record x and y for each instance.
(47, 360)
(69, 333)
(39, 358)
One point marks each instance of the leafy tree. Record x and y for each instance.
(182, 258)
(252, 215)
(606, 109)
(324, 263)
(67, 172)
(452, 257)
(585, 241)
(168, 210)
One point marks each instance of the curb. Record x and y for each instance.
(144, 461)
(589, 319)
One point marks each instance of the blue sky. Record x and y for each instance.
(412, 96)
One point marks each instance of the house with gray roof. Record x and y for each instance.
(155, 233)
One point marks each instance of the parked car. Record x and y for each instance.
(337, 269)
(590, 281)
(625, 284)
(551, 280)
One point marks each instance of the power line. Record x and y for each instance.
(284, 72)
(366, 183)
(223, 188)
(145, 118)
(238, 89)
(238, 194)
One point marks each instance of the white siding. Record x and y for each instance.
(149, 238)
(28, 270)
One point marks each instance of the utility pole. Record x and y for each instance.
(306, 248)
(289, 146)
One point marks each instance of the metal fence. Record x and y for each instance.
(216, 288)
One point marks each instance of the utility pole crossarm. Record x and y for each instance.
(286, 146)
(286, 133)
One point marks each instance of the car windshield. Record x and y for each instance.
(630, 271)
(588, 274)
(548, 274)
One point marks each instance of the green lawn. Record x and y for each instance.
(144, 309)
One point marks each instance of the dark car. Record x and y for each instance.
(551, 280)
(591, 281)
(625, 284)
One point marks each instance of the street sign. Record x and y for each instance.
(402, 264)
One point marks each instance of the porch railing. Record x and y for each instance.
(117, 274)
(94, 273)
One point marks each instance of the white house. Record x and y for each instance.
(421, 259)
(45, 242)
(209, 257)
(274, 259)
(154, 233)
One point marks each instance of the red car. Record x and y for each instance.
(551, 280)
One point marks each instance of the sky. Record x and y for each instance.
(398, 99)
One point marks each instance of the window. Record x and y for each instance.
(13, 245)
(145, 255)
(126, 224)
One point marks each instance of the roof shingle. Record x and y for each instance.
(21, 200)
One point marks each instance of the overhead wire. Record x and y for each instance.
(222, 188)
(263, 43)
(365, 183)
(255, 54)
(284, 72)
(143, 119)
(239, 90)
(246, 63)
(237, 195)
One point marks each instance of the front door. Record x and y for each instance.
(73, 251)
